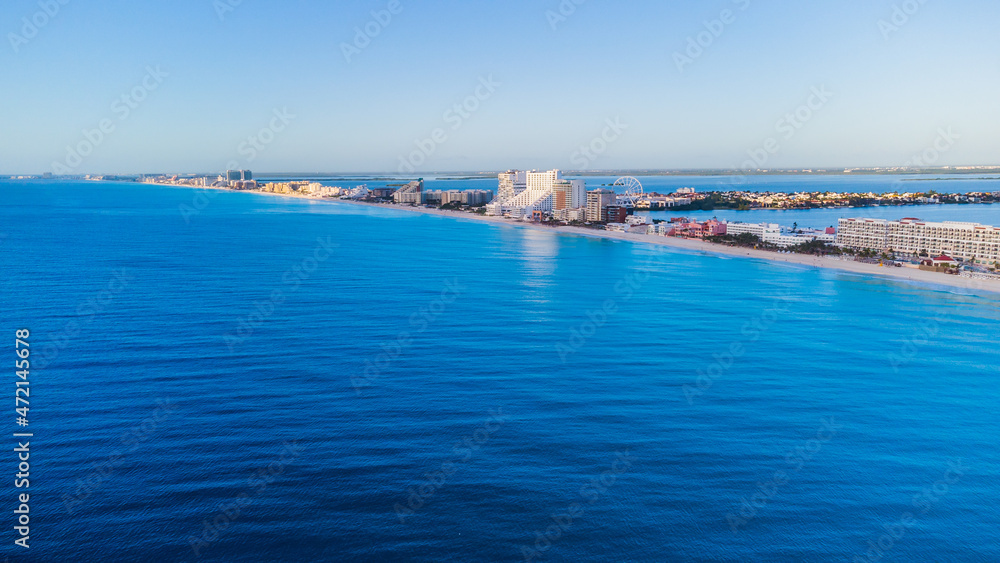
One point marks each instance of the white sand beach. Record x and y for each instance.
(903, 273)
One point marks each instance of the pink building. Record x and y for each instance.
(694, 229)
(713, 228)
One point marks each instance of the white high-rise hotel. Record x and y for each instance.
(968, 241)
(512, 182)
(521, 193)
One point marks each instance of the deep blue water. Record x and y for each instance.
(442, 390)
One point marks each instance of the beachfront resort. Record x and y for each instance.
(546, 198)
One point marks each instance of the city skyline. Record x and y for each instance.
(393, 88)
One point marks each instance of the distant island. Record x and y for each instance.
(872, 171)
(748, 200)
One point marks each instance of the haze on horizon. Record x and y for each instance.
(373, 85)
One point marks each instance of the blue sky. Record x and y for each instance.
(556, 82)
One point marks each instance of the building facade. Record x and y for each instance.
(772, 233)
(569, 194)
(968, 241)
(597, 204)
(537, 193)
(511, 183)
(410, 193)
(571, 215)
(615, 214)
(474, 198)
(763, 231)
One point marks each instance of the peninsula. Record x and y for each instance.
(546, 201)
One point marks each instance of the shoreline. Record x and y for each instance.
(911, 275)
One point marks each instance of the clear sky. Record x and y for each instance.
(555, 81)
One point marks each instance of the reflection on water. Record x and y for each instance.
(536, 251)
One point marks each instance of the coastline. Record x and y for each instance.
(911, 275)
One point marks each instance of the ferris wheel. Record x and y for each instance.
(631, 192)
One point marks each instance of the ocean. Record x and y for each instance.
(275, 379)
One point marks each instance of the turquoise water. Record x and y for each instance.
(284, 380)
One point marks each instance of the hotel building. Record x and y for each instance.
(569, 194)
(512, 182)
(474, 198)
(520, 194)
(967, 241)
(774, 234)
(410, 193)
(763, 231)
(597, 204)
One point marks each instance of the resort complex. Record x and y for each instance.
(969, 242)
(547, 198)
(521, 194)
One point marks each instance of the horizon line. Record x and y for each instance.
(818, 171)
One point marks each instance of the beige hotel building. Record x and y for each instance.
(968, 241)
